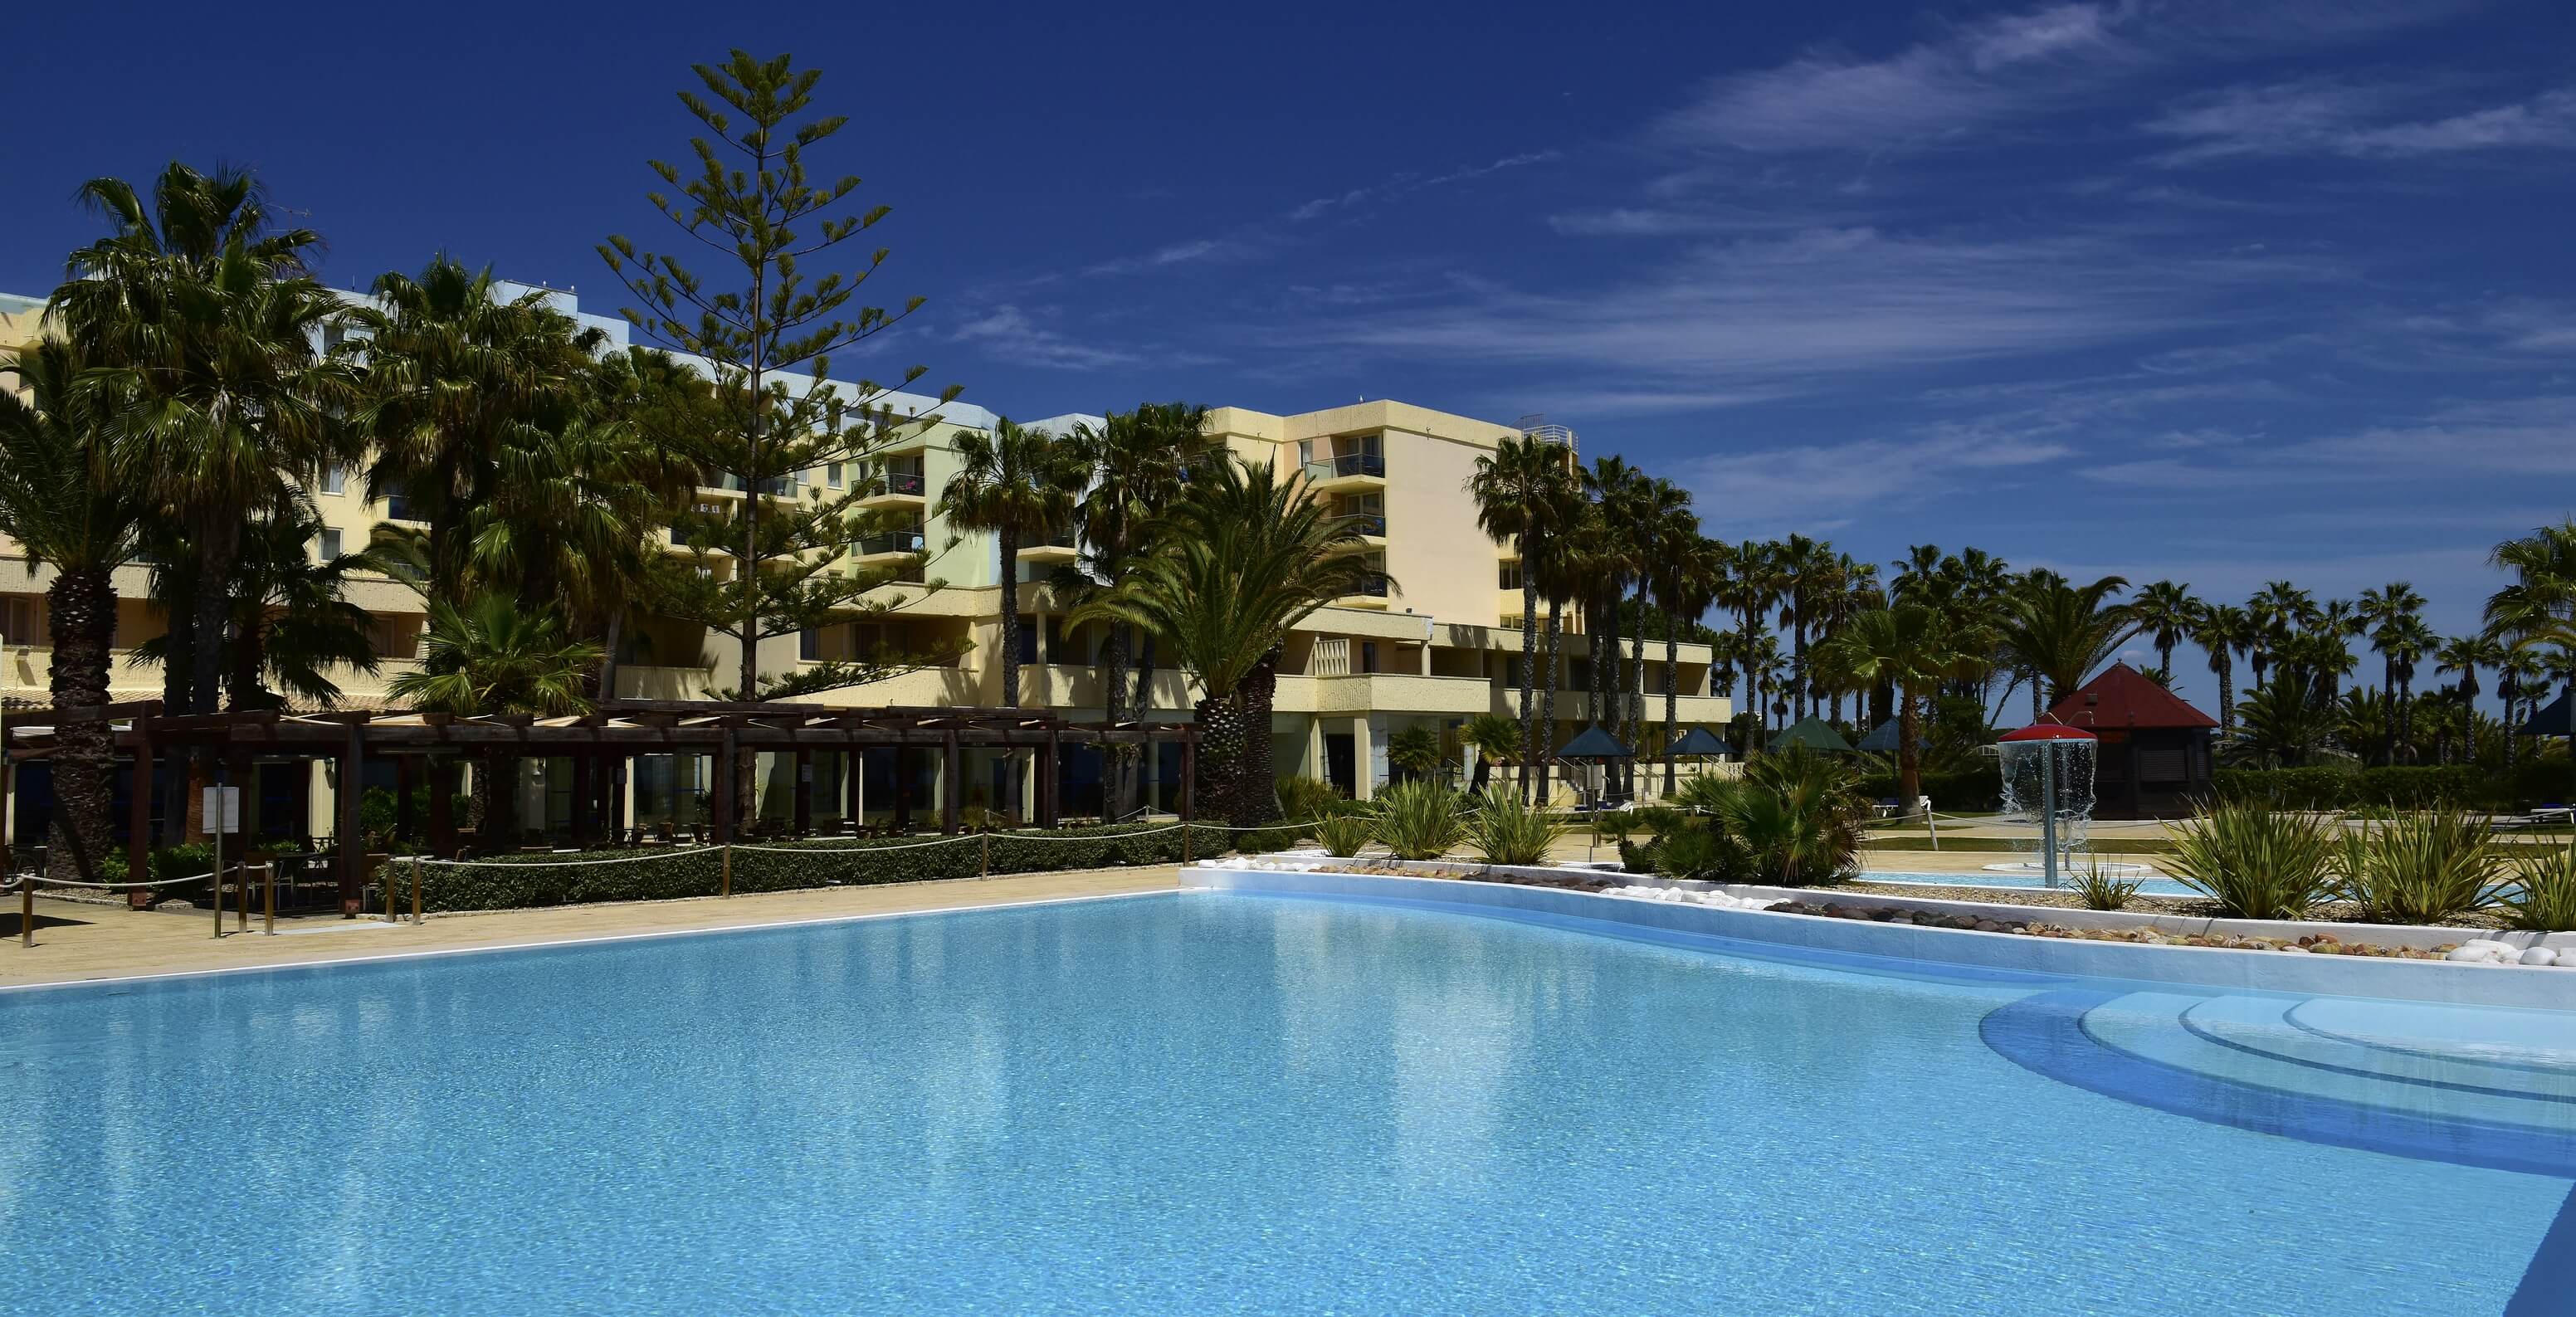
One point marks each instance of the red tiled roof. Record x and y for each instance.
(2123, 697)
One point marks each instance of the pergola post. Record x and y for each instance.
(853, 763)
(353, 848)
(442, 805)
(952, 780)
(902, 786)
(1050, 780)
(720, 796)
(1190, 771)
(585, 798)
(138, 817)
(804, 816)
(406, 778)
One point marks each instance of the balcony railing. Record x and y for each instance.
(1061, 538)
(1364, 523)
(1348, 464)
(902, 541)
(904, 482)
(1374, 587)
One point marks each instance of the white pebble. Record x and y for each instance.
(2540, 956)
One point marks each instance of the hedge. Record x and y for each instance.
(506, 882)
(1971, 791)
(2532, 782)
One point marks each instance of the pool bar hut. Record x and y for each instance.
(2154, 758)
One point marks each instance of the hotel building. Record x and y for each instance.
(1434, 645)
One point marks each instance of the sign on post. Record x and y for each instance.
(223, 809)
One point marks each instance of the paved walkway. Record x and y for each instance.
(76, 941)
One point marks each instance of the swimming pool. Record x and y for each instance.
(1226, 1103)
(2157, 885)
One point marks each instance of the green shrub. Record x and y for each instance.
(1507, 830)
(2403, 786)
(1305, 799)
(1640, 856)
(1419, 819)
(2100, 889)
(2542, 895)
(1704, 851)
(1345, 834)
(2256, 863)
(2420, 867)
(504, 882)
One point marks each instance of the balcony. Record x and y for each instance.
(879, 550)
(1054, 546)
(1370, 527)
(901, 489)
(1372, 593)
(1383, 692)
(1348, 471)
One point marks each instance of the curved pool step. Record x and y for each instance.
(2262, 1027)
(2184, 1032)
(2140, 1050)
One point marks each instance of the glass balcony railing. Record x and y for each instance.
(1374, 587)
(1364, 523)
(1348, 464)
(902, 541)
(904, 482)
(1060, 538)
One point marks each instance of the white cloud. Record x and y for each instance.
(1011, 334)
(1972, 76)
(1799, 486)
(2361, 122)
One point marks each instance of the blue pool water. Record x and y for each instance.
(2148, 885)
(1213, 1104)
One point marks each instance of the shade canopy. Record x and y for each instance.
(1594, 743)
(2049, 731)
(1814, 734)
(2553, 720)
(1881, 739)
(1701, 741)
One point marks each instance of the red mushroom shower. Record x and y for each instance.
(2048, 779)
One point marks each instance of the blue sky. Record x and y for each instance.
(2219, 291)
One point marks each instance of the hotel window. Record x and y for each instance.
(335, 479)
(330, 545)
(809, 644)
(1368, 656)
(1511, 576)
(832, 475)
(22, 620)
(1028, 638)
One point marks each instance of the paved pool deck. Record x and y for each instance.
(76, 941)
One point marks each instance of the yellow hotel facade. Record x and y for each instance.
(1435, 648)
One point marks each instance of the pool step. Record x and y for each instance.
(2247, 1061)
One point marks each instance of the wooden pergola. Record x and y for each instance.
(601, 747)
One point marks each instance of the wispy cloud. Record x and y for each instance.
(1011, 334)
(1773, 488)
(1403, 184)
(1971, 76)
(2361, 122)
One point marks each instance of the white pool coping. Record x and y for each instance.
(2210, 967)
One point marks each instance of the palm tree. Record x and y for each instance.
(2060, 632)
(2286, 723)
(1560, 562)
(1519, 493)
(2277, 609)
(2378, 608)
(456, 375)
(1623, 495)
(1243, 559)
(1414, 750)
(1017, 484)
(61, 501)
(2406, 641)
(2465, 655)
(1685, 577)
(1806, 568)
(1136, 467)
(2536, 614)
(2518, 681)
(490, 657)
(1495, 737)
(1912, 647)
(2221, 630)
(1749, 592)
(1765, 667)
(2164, 610)
(206, 318)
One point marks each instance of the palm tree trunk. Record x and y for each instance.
(1672, 693)
(1117, 782)
(178, 667)
(82, 627)
(2227, 697)
(1009, 536)
(608, 652)
(1542, 750)
(1257, 792)
(1529, 664)
(1909, 749)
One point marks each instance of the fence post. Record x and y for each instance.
(26, 909)
(415, 891)
(241, 900)
(988, 854)
(1188, 831)
(268, 897)
(725, 887)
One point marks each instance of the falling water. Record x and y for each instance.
(2028, 778)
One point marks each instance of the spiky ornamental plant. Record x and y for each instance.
(752, 202)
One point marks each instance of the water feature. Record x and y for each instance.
(2048, 784)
